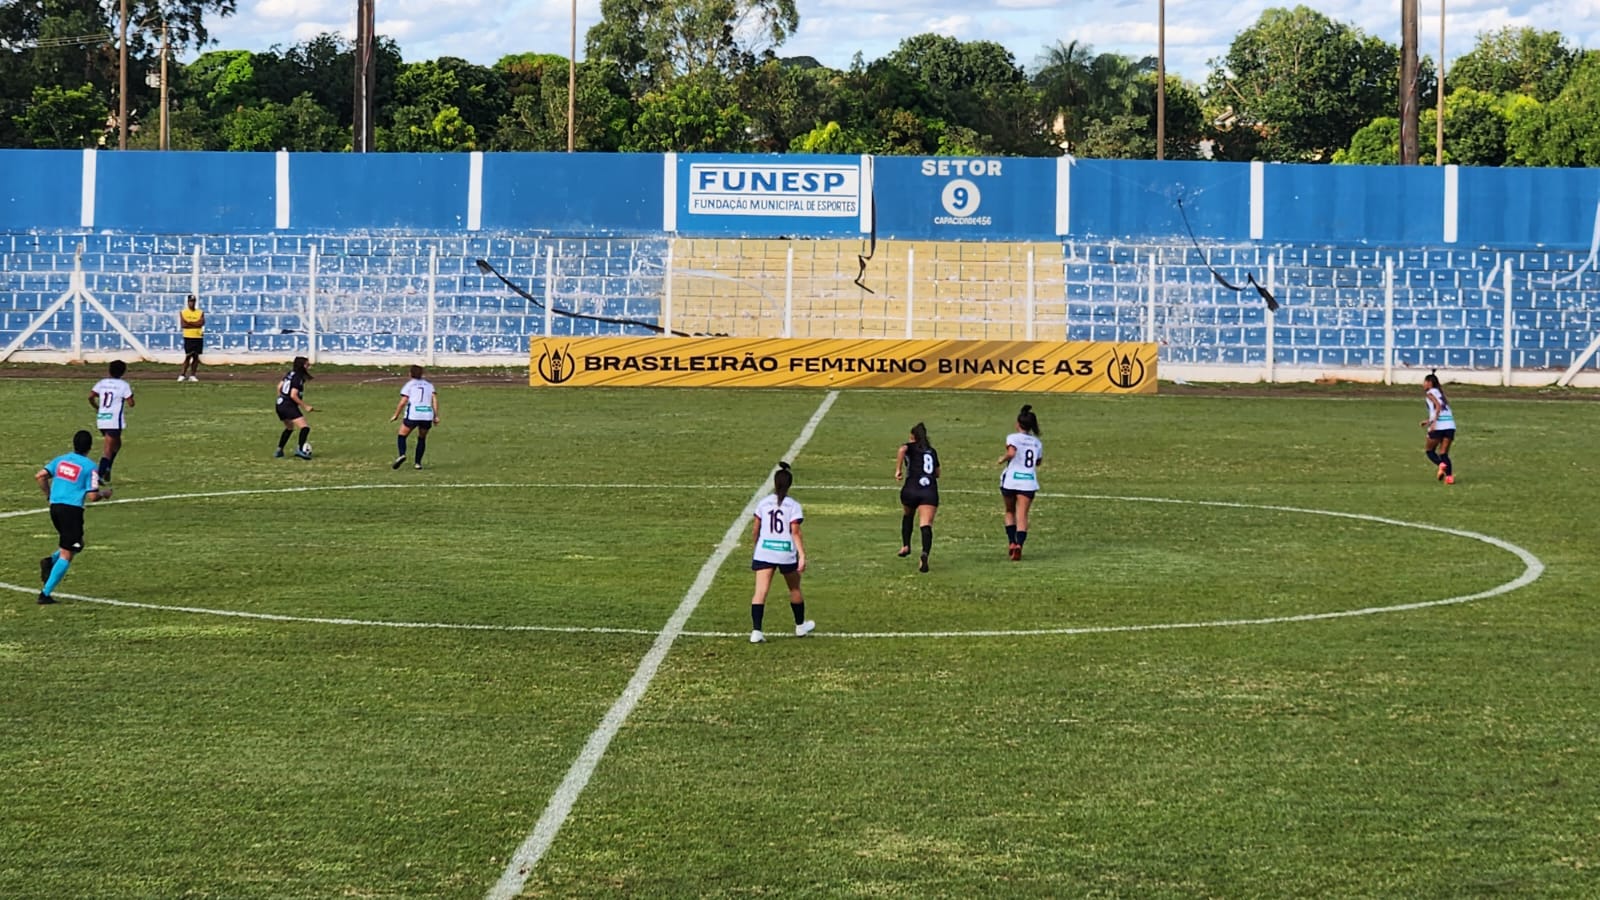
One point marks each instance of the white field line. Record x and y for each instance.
(1533, 568)
(560, 806)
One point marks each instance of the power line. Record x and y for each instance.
(46, 43)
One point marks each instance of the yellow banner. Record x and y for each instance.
(1073, 367)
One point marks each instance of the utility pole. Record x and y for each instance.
(572, 82)
(1438, 116)
(1161, 79)
(1408, 82)
(166, 135)
(366, 77)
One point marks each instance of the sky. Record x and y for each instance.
(833, 31)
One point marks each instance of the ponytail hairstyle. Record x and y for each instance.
(919, 436)
(1027, 421)
(300, 363)
(782, 480)
(1432, 380)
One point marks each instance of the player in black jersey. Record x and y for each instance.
(292, 407)
(918, 463)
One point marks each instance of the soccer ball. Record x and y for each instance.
(306, 447)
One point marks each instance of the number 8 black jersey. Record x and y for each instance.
(922, 466)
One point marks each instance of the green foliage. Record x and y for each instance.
(1475, 128)
(1565, 131)
(62, 118)
(830, 138)
(222, 80)
(1300, 85)
(422, 129)
(686, 117)
(538, 117)
(1376, 144)
(1516, 61)
(301, 124)
(654, 42)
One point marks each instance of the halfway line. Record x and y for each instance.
(566, 796)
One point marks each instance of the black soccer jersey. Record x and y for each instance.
(922, 466)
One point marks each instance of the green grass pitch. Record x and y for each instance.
(1076, 724)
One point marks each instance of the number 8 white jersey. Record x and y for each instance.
(774, 542)
(1021, 471)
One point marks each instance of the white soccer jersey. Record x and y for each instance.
(1021, 471)
(775, 542)
(1446, 419)
(419, 400)
(112, 395)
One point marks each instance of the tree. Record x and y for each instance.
(1304, 84)
(1475, 127)
(537, 120)
(686, 118)
(1516, 61)
(654, 42)
(1565, 131)
(418, 129)
(63, 119)
(975, 85)
(1062, 79)
(785, 99)
(830, 138)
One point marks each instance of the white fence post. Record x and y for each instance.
(194, 272)
(1505, 341)
(666, 294)
(1028, 308)
(433, 284)
(911, 265)
(549, 287)
(78, 288)
(311, 310)
(1150, 302)
(788, 293)
(1272, 321)
(1388, 320)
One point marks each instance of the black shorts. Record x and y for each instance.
(68, 520)
(757, 565)
(1442, 434)
(288, 412)
(914, 496)
(193, 346)
(423, 424)
(1013, 492)
(111, 432)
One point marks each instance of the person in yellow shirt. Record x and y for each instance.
(193, 320)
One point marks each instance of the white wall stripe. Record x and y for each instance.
(867, 203)
(475, 191)
(283, 188)
(1258, 200)
(86, 212)
(669, 192)
(566, 796)
(1452, 200)
(1064, 195)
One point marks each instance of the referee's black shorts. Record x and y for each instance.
(68, 520)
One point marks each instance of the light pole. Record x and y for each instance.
(1161, 79)
(1438, 116)
(122, 78)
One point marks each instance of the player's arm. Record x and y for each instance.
(435, 407)
(294, 394)
(755, 529)
(799, 545)
(1011, 451)
(1433, 414)
(899, 461)
(399, 407)
(94, 399)
(129, 399)
(43, 477)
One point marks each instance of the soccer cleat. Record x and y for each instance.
(923, 565)
(194, 377)
(45, 598)
(904, 552)
(278, 454)
(756, 637)
(399, 461)
(1014, 551)
(1442, 472)
(45, 565)
(1449, 479)
(182, 378)
(804, 628)
(301, 454)
(417, 466)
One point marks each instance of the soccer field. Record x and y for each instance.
(1254, 649)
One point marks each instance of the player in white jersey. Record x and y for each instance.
(779, 547)
(111, 398)
(1441, 428)
(419, 403)
(1020, 480)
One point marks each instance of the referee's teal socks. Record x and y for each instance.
(57, 572)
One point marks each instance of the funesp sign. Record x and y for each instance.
(747, 189)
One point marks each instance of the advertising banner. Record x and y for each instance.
(1096, 367)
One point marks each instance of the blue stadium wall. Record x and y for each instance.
(135, 218)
